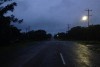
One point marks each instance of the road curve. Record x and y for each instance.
(49, 54)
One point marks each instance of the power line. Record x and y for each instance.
(88, 10)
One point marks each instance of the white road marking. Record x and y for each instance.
(62, 58)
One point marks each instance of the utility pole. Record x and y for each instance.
(68, 27)
(28, 29)
(88, 10)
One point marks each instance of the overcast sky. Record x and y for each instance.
(54, 15)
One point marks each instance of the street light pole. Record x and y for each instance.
(68, 26)
(88, 10)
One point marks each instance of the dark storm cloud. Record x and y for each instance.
(54, 15)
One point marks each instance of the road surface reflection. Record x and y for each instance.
(83, 56)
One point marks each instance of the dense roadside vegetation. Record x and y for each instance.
(91, 33)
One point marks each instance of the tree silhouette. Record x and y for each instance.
(77, 33)
(85, 33)
(8, 32)
(38, 35)
(91, 33)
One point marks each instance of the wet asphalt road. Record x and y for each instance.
(48, 54)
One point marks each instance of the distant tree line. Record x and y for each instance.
(91, 33)
(37, 35)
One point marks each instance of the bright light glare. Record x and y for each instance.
(57, 35)
(84, 18)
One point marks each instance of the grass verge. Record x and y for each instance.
(92, 45)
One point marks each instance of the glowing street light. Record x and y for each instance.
(85, 18)
(57, 35)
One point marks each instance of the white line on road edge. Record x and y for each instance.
(62, 58)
